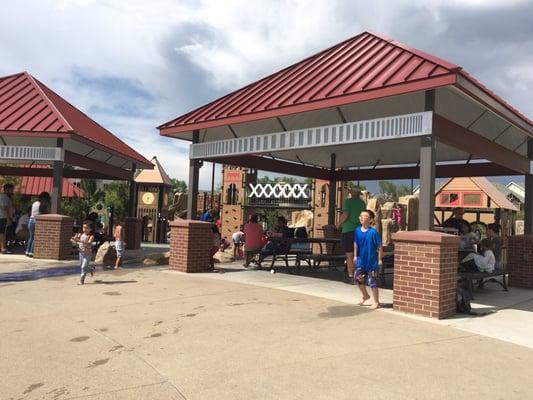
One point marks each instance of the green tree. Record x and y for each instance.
(353, 185)
(116, 194)
(79, 207)
(393, 192)
(178, 186)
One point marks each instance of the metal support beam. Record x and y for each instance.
(426, 207)
(455, 135)
(212, 205)
(332, 192)
(528, 206)
(442, 171)
(194, 173)
(132, 200)
(57, 183)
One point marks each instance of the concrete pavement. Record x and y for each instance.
(150, 333)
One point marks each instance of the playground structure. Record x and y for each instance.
(482, 201)
(308, 204)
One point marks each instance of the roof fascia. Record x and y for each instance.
(48, 172)
(51, 135)
(457, 136)
(84, 140)
(283, 167)
(97, 166)
(441, 171)
(404, 88)
(494, 103)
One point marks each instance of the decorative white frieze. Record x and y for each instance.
(400, 126)
(31, 153)
(279, 191)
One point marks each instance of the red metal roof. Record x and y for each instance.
(34, 185)
(367, 66)
(29, 107)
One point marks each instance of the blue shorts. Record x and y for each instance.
(366, 276)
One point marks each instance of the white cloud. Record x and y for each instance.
(169, 55)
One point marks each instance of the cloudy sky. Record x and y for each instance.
(132, 65)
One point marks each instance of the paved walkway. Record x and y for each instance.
(150, 333)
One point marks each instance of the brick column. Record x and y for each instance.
(133, 228)
(520, 261)
(425, 273)
(52, 237)
(190, 243)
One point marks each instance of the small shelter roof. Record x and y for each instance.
(157, 175)
(34, 185)
(495, 195)
(29, 109)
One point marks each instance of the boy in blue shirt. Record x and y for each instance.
(368, 254)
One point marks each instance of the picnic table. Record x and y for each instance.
(300, 249)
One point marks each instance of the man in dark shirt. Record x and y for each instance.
(456, 220)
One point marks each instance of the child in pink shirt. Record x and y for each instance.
(253, 235)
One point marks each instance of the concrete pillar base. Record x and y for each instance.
(425, 273)
(133, 228)
(520, 261)
(52, 237)
(190, 245)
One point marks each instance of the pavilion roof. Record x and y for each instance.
(34, 185)
(366, 67)
(157, 175)
(30, 108)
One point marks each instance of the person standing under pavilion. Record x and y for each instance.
(349, 221)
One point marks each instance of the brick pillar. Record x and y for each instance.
(52, 237)
(425, 273)
(133, 228)
(520, 261)
(190, 244)
(328, 231)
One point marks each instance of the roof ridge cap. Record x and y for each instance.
(434, 59)
(74, 132)
(36, 84)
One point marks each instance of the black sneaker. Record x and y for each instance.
(7, 252)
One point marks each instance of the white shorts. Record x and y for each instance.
(119, 246)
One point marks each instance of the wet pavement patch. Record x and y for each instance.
(112, 293)
(79, 339)
(34, 274)
(190, 315)
(153, 335)
(114, 348)
(103, 329)
(32, 387)
(98, 363)
(158, 323)
(342, 311)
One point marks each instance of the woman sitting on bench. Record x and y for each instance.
(484, 262)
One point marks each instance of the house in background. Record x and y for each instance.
(481, 199)
(516, 194)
